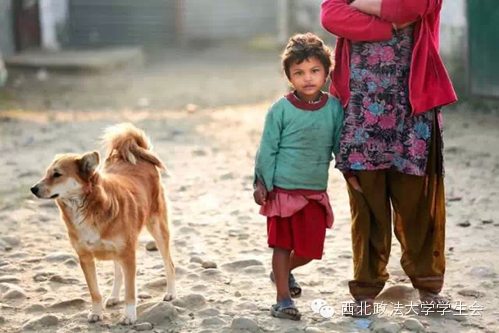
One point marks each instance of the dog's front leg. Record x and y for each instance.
(88, 266)
(128, 265)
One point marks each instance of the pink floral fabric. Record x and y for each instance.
(379, 131)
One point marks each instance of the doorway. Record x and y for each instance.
(27, 30)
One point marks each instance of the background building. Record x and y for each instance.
(468, 32)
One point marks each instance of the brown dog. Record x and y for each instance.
(105, 210)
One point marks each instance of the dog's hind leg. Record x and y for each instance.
(118, 281)
(87, 264)
(129, 270)
(158, 228)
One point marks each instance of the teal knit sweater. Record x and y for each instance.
(297, 145)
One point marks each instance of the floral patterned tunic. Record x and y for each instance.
(379, 130)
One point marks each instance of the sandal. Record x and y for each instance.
(285, 309)
(433, 304)
(431, 298)
(293, 285)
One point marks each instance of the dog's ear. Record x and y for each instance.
(88, 163)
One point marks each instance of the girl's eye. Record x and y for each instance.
(57, 175)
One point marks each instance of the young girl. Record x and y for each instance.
(301, 131)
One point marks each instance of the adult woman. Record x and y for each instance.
(392, 83)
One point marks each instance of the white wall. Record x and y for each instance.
(6, 29)
(308, 15)
(453, 29)
(53, 17)
(305, 16)
(221, 19)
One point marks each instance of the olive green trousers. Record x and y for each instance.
(417, 205)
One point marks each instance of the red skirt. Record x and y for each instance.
(304, 232)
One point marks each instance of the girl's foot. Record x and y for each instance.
(285, 309)
(294, 286)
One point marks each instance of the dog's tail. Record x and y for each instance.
(128, 143)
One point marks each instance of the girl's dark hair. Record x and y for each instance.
(302, 47)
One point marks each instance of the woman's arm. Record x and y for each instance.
(371, 7)
(398, 11)
(342, 20)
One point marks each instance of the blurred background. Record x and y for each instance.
(174, 53)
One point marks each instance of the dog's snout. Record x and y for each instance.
(34, 190)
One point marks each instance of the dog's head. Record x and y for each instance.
(67, 176)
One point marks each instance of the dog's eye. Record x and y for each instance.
(56, 175)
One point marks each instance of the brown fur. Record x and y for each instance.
(105, 210)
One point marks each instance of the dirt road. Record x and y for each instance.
(209, 151)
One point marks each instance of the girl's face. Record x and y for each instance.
(308, 78)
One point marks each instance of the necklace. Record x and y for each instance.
(317, 100)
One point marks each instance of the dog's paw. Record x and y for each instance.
(94, 317)
(169, 297)
(127, 321)
(111, 301)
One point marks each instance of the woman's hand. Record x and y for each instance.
(401, 26)
(352, 179)
(260, 193)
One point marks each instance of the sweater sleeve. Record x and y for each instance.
(403, 11)
(340, 19)
(269, 147)
(338, 127)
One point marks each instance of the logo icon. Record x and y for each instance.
(327, 311)
(320, 306)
